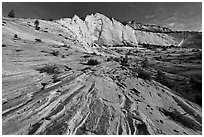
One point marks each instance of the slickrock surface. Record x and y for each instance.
(49, 88)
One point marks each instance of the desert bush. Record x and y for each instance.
(15, 36)
(144, 74)
(49, 69)
(124, 61)
(11, 14)
(145, 63)
(109, 59)
(50, 19)
(134, 71)
(160, 77)
(55, 53)
(92, 62)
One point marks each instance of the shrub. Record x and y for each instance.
(92, 62)
(124, 61)
(134, 72)
(49, 69)
(11, 14)
(160, 77)
(145, 63)
(15, 36)
(50, 19)
(55, 53)
(109, 59)
(144, 74)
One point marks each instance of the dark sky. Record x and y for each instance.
(178, 16)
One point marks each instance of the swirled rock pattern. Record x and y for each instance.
(48, 88)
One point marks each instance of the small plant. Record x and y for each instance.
(145, 63)
(11, 14)
(50, 19)
(124, 61)
(160, 77)
(144, 74)
(92, 62)
(49, 69)
(36, 23)
(16, 37)
(55, 53)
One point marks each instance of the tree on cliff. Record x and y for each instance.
(36, 23)
(11, 14)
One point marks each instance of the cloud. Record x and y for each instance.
(171, 24)
(149, 16)
(171, 18)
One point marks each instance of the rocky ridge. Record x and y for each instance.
(99, 29)
(147, 27)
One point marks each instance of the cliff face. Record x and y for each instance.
(101, 30)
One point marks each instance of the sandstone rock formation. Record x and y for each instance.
(101, 30)
(48, 87)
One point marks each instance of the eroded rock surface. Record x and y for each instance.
(99, 29)
(48, 87)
